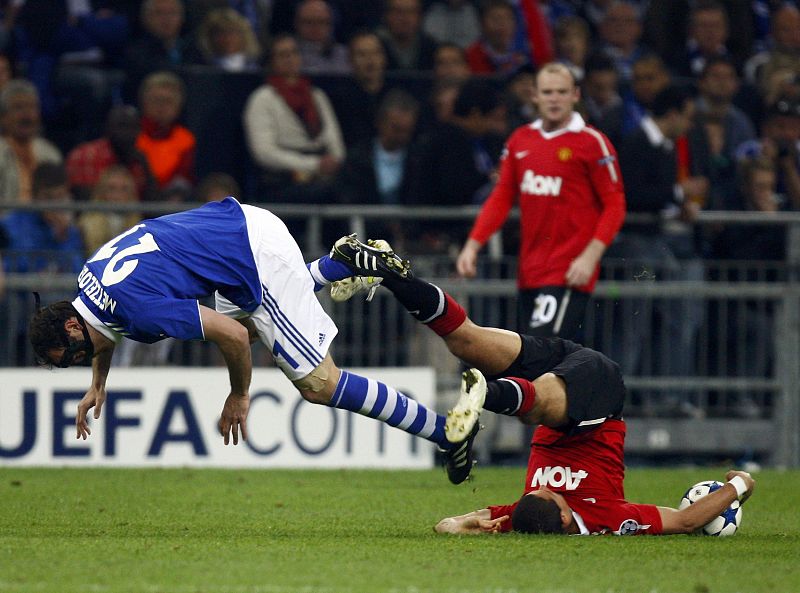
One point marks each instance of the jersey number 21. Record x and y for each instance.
(114, 273)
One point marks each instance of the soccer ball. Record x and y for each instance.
(730, 519)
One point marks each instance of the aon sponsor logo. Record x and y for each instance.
(540, 185)
(558, 477)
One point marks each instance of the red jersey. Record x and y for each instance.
(587, 470)
(570, 191)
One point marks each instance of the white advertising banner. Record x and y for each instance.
(168, 417)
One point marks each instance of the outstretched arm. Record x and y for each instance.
(233, 340)
(472, 523)
(696, 515)
(96, 396)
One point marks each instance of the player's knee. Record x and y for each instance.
(318, 386)
(551, 401)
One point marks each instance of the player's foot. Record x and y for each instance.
(367, 259)
(459, 460)
(461, 426)
(464, 415)
(344, 290)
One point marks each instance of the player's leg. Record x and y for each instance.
(297, 330)
(551, 311)
(578, 394)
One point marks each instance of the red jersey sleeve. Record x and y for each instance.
(499, 511)
(497, 206)
(607, 180)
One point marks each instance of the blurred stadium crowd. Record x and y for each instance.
(394, 102)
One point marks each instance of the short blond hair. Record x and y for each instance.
(556, 68)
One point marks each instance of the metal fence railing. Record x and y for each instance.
(729, 348)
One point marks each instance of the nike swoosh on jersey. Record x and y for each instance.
(591, 499)
(521, 154)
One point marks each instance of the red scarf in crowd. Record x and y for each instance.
(299, 99)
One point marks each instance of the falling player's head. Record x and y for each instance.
(543, 511)
(59, 336)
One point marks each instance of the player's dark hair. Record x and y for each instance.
(672, 98)
(536, 515)
(46, 328)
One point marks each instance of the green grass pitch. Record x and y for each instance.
(230, 531)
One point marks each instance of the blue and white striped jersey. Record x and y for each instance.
(145, 283)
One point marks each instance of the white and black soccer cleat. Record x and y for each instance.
(344, 290)
(370, 259)
(461, 426)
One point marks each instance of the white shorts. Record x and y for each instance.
(290, 321)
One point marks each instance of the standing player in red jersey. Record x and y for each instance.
(566, 178)
(576, 395)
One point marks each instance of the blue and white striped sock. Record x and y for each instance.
(377, 400)
(325, 270)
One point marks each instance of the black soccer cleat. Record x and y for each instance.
(370, 259)
(459, 460)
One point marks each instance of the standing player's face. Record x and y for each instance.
(556, 96)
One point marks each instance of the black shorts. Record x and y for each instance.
(551, 311)
(595, 389)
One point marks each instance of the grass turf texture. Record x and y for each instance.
(218, 531)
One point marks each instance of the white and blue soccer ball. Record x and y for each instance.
(730, 519)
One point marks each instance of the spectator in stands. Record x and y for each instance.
(439, 110)
(495, 52)
(620, 35)
(43, 242)
(572, 42)
(225, 40)
(650, 76)
(460, 158)
(450, 63)
(215, 187)
(600, 90)
(725, 127)
(322, 54)
(21, 146)
(520, 92)
(707, 38)
(116, 186)
(257, 13)
(168, 146)
(666, 251)
(780, 143)
(452, 21)
(68, 50)
(381, 170)
(292, 131)
(750, 327)
(784, 51)
(87, 161)
(356, 98)
(48, 240)
(407, 46)
(160, 46)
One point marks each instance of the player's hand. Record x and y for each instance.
(94, 398)
(580, 271)
(466, 264)
(748, 479)
(477, 525)
(234, 417)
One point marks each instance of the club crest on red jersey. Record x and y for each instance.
(564, 154)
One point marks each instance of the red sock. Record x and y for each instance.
(449, 321)
(528, 395)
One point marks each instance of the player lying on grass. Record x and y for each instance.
(574, 482)
(146, 285)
